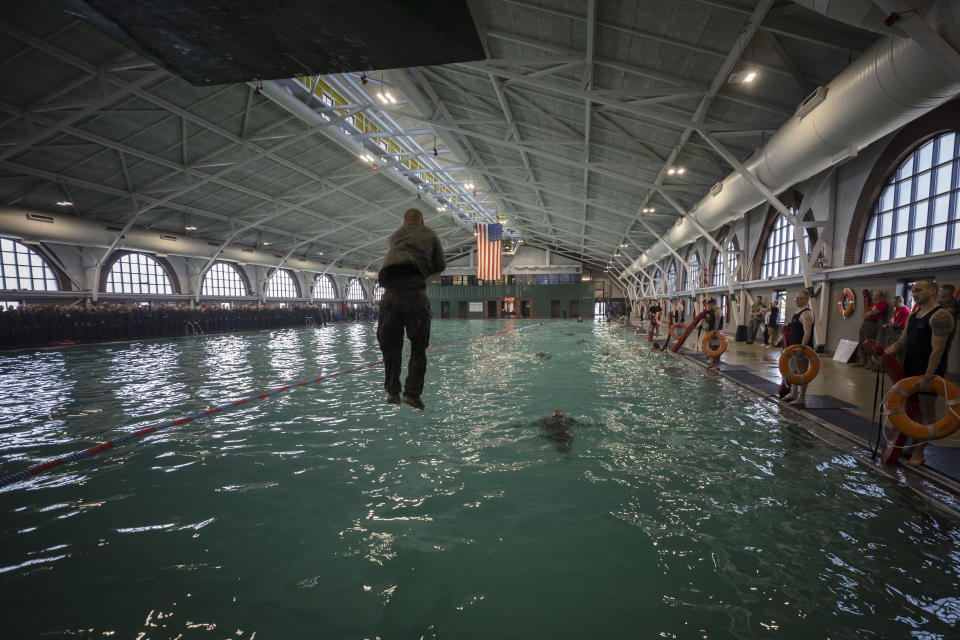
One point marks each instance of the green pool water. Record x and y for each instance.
(683, 508)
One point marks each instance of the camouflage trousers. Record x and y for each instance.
(404, 309)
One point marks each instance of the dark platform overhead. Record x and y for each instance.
(229, 41)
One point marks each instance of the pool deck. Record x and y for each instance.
(841, 398)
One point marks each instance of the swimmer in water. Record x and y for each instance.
(583, 339)
(557, 428)
(607, 352)
(542, 354)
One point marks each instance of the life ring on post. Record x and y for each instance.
(676, 330)
(846, 302)
(894, 409)
(799, 378)
(704, 344)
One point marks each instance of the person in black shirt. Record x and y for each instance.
(773, 323)
(710, 324)
(925, 344)
(655, 311)
(801, 333)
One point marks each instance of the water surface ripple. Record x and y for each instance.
(682, 508)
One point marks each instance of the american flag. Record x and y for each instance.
(489, 237)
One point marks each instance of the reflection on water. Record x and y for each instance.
(226, 363)
(681, 506)
(286, 354)
(145, 378)
(34, 401)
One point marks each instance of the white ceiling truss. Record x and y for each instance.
(566, 133)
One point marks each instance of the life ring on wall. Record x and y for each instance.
(799, 378)
(897, 397)
(677, 330)
(846, 302)
(704, 345)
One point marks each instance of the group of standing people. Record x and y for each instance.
(767, 317)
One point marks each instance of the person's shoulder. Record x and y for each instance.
(942, 322)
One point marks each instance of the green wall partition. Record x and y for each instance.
(548, 300)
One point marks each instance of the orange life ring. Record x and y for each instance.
(846, 308)
(677, 329)
(799, 378)
(897, 397)
(716, 352)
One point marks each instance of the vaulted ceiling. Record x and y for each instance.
(572, 130)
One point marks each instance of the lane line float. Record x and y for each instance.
(104, 446)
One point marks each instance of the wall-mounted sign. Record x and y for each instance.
(476, 307)
(509, 299)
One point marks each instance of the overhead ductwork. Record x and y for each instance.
(36, 226)
(894, 82)
(857, 13)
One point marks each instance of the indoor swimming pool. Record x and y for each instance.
(682, 508)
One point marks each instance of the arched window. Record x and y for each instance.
(916, 212)
(282, 285)
(23, 268)
(719, 277)
(355, 290)
(781, 257)
(138, 273)
(323, 288)
(223, 279)
(672, 278)
(377, 292)
(656, 282)
(693, 275)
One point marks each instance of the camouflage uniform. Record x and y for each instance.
(414, 253)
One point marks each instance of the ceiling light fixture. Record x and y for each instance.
(649, 210)
(468, 186)
(382, 98)
(266, 244)
(742, 77)
(675, 171)
(65, 203)
(190, 228)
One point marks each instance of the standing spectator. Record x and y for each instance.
(655, 311)
(414, 253)
(893, 328)
(757, 312)
(873, 313)
(773, 324)
(801, 333)
(925, 344)
(710, 324)
(947, 301)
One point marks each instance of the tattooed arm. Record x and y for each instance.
(942, 325)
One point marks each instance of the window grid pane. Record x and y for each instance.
(281, 285)
(23, 268)
(781, 257)
(916, 225)
(355, 290)
(223, 280)
(138, 273)
(323, 288)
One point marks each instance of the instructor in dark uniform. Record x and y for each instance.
(414, 253)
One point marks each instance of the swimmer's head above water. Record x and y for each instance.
(558, 413)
